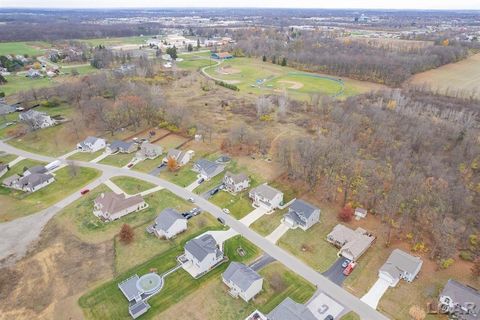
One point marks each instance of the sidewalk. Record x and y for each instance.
(67, 155)
(114, 187)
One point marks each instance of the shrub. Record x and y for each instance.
(445, 263)
(466, 255)
(346, 213)
(227, 85)
(126, 234)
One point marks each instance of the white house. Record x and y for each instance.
(360, 213)
(243, 281)
(29, 183)
(91, 144)
(460, 301)
(37, 120)
(207, 169)
(182, 157)
(169, 223)
(112, 206)
(400, 265)
(236, 182)
(301, 214)
(201, 254)
(266, 197)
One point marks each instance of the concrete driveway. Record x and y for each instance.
(253, 216)
(193, 185)
(277, 233)
(335, 272)
(222, 236)
(373, 296)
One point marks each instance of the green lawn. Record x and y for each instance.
(6, 158)
(79, 219)
(21, 48)
(268, 222)
(350, 316)
(85, 156)
(107, 301)
(239, 205)
(118, 160)
(18, 168)
(311, 246)
(17, 83)
(148, 165)
(132, 185)
(183, 177)
(17, 204)
(146, 246)
(116, 41)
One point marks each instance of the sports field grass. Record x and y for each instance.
(17, 83)
(116, 41)
(463, 77)
(22, 48)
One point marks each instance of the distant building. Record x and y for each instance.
(222, 55)
(301, 214)
(3, 169)
(111, 206)
(149, 151)
(266, 197)
(360, 213)
(36, 119)
(29, 183)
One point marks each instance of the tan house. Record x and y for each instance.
(352, 243)
(112, 206)
(149, 151)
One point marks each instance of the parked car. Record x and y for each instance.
(345, 263)
(187, 215)
(191, 200)
(329, 317)
(201, 181)
(349, 268)
(221, 220)
(195, 211)
(161, 165)
(84, 191)
(221, 187)
(214, 191)
(130, 165)
(226, 210)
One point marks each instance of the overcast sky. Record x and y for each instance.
(374, 4)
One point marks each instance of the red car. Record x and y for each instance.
(130, 165)
(349, 268)
(85, 191)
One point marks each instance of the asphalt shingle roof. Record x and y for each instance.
(290, 310)
(167, 218)
(202, 246)
(241, 275)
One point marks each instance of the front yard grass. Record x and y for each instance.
(148, 165)
(132, 185)
(350, 316)
(182, 177)
(20, 166)
(108, 302)
(118, 160)
(239, 205)
(311, 246)
(85, 156)
(79, 219)
(17, 204)
(6, 158)
(268, 222)
(171, 141)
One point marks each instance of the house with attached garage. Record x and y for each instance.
(169, 223)
(243, 281)
(3, 169)
(181, 157)
(291, 310)
(207, 169)
(122, 146)
(400, 265)
(35, 169)
(202, 254)
(91, 144)
(149, 151)
(352, 243)
(301, 214)
(235, 183)
(460, 301)
(266, 197)
(29, 183)
(36, 119)
(111, 206)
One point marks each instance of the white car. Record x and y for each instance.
(226, 210)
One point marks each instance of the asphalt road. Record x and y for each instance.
(287, 259)
(262, 262)
(335, 272)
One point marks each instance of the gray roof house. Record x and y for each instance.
(301, 214)
(352, 243)
(33, 182)
(236, 182)
(243, 281)
(149, 151)
(182, 157)
(122, 146)
(207, 169)
(202, 254)
(111, 206)
(36, 119)
(91, 144)
(169, 223)
(290, 310)
(6, 108)
(266, 197)
(35, 169)
(3, 169)
(400, 265)
(460, 300)
(10, 181)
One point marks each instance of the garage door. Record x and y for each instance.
(375, 293)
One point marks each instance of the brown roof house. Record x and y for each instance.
(112, 206)
(352, 243)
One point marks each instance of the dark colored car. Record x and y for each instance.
(201, 181)
(214, 191)
(329, 317)
(221, 220)
(85, 191)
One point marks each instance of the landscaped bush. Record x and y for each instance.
(227, 85)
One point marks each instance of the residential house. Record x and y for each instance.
(3, 169)
(36, 119)
(266, 197)
(360, 213)
(460, 301)
(169, 223)
(149, 151)
(181, 157)
(352, 243)
(33, 73)
(35, 169)
(291, 310)
(256, 315)
(33, 182)
(400, 265)
(122, 146)
(202, 254)
(301, 214)
(207, 169)
(112, 206)
(236, 182)
(10, 181)
(222, 55)
(243, 281)
(91, 144)
(6, 108)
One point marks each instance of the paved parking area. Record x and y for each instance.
(322, 305)
(335, 272)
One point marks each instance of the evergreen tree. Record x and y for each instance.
(264, 59)
(284, 62)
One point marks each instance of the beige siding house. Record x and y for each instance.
(112, 206)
